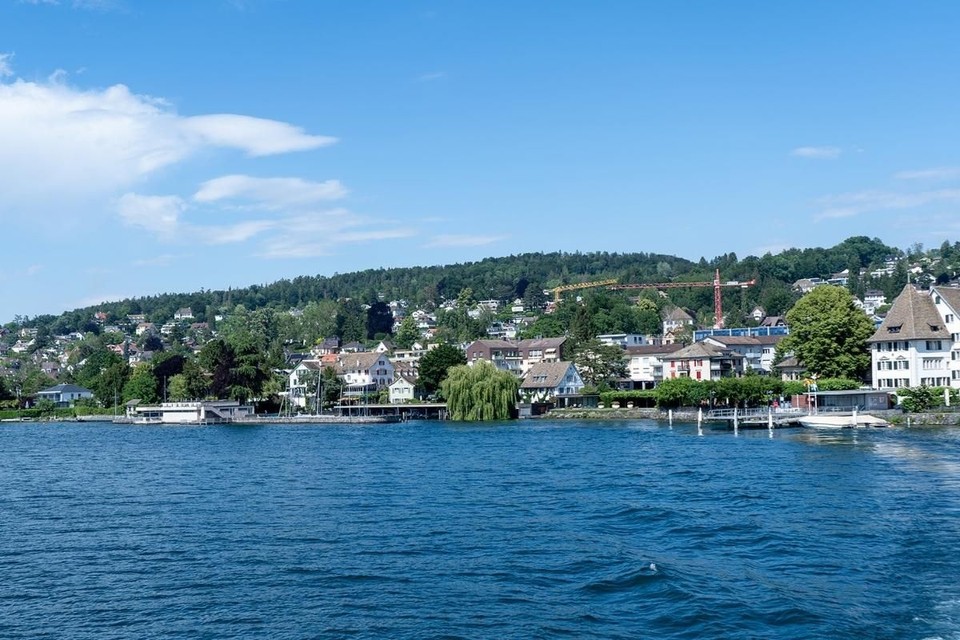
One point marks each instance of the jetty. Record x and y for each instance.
(756, 418)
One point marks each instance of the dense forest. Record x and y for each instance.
(511, 277)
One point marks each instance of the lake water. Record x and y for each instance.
(525, 530)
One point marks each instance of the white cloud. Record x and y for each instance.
(62, 143)
(231, 233)
(817, 153)
(324, 233)
(272, 193)
(5, 69)
(158, 214)
(934, 174)
(852, 204)
(256, 136)
(454, 240)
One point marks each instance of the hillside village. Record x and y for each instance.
(917, 342)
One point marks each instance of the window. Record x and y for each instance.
(949, 318)
(934, 345)
(894, 329)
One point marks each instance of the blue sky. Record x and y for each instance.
(150, 147)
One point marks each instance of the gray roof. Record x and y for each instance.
(913, 316)
(678, 315)
(698, 350)
(545, 375)
(65, 388)
(652, 349)
(950, 295)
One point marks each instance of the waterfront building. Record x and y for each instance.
(645, 364)
(551, 381)
(64, 395)
(912, 346)
(703, 361)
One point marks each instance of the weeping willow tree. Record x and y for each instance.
(480, 392)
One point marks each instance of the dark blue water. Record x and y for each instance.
(627, 530)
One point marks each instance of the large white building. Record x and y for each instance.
(918, 342)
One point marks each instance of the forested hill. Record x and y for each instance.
(509, 277)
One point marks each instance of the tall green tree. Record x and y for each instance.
(379, 320)
(142, 385)
(828, 334)
(407, 333)
(435, 364)
(351, 321)
(599, 364)
(481, 392)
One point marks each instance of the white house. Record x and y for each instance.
(947, 302)
(364, 372)
(623, 340)
(645, 363)
(550, 380)
(676, 319)
(404, 389)
(912, 346)
(64, 395)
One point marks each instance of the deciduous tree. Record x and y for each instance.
(481, 392)
(828, 334)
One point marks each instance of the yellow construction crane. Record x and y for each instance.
(716, 284)
(580, 285)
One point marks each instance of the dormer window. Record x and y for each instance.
(894, 329)
(934, 327)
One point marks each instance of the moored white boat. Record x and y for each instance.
(853, 421)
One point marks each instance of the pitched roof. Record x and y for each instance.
(652, 349)
(65, 388)
(545, 375)
(913, 316)
(697, 350)
(950, 295)
(678, 315)
(359, 361)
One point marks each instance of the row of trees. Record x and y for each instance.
(522, 276)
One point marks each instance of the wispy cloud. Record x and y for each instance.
(933, 174)
(158, 214)
(5, 69)
(457, 240)
(851, 204)
(431, 76)
(817, 153)
(95, 5)
(271, 193)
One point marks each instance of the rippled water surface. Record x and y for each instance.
(533, 529)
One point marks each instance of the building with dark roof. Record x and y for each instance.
(64, 395)
(551, 380)
(912, 346)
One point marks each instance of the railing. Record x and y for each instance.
(757, 412)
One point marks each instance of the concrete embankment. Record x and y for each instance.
(895, 417)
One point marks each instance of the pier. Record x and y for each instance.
(758, 417)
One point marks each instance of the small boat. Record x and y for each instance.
(853, 421)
